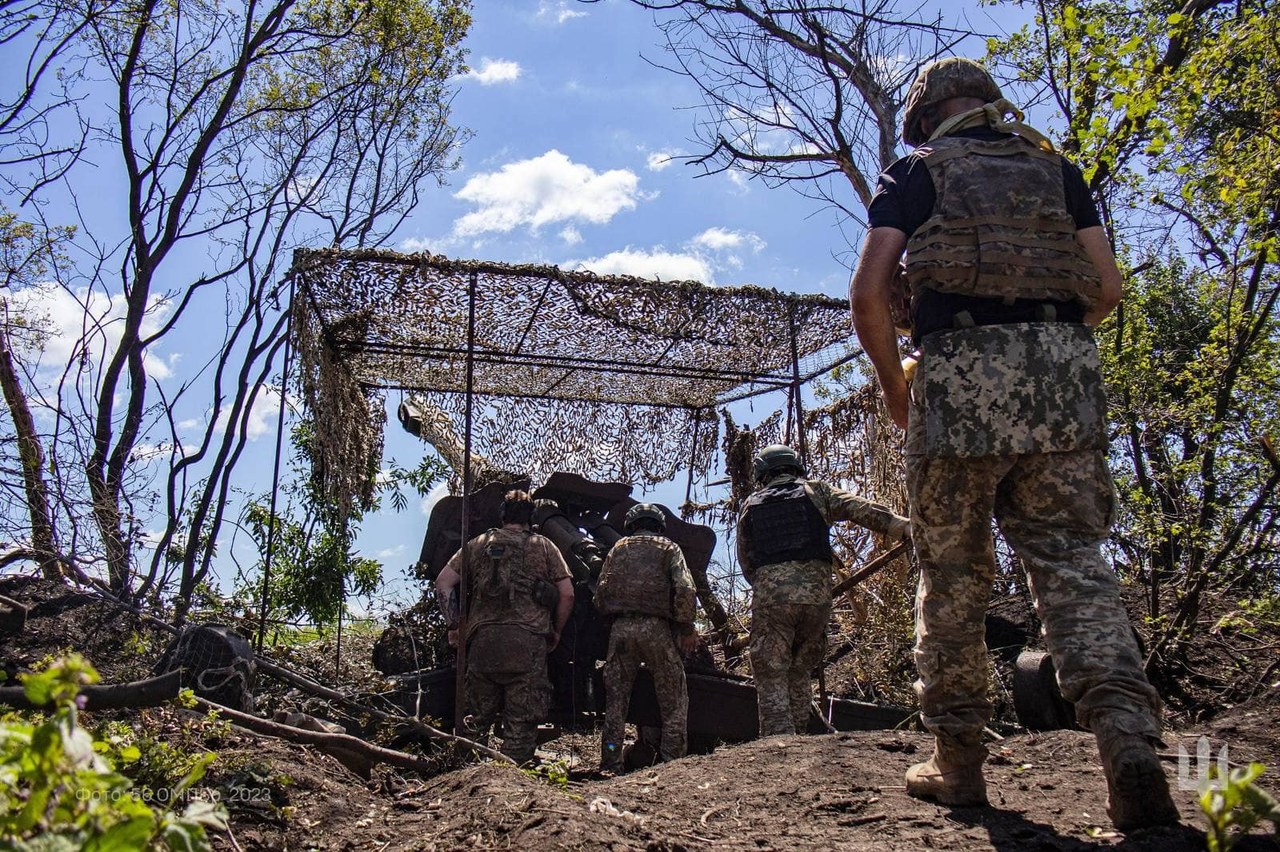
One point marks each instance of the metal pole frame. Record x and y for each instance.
(796, 385)
(275, 473)
(685, 511)
(460, 697)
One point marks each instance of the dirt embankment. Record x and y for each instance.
(840, 791)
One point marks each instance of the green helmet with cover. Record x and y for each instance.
(644, 511)
(775, 459)
(940, 80)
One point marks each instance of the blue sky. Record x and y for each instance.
(575, 160)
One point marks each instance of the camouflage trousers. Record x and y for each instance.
(787, 643)
(506, 679)
(1055, 510)
(636, 639)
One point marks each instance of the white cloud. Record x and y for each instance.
(71, 322)
(433, 497)
(262, 417)
(571, 236)
(560, 10)
(720, 239)
(389, 552)
(190, 423)
(659, 160)
(658, 263)
(416, 244)
(492, 71)
(542, 191)
(152, 452)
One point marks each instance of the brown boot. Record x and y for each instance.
(1137, 789)
(952, 776)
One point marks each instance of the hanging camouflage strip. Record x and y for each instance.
(602, 375)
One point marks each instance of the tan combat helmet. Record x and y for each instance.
(940, 80)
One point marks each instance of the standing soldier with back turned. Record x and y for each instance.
(784, 549)
(647, 592)
(519, 596)
(1007, 265)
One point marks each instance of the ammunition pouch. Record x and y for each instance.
(545, 594)
(1019, 389)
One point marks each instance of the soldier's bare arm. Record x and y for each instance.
(446, 587)
(869, 302)
(1098, 248)
(564, 606)
(684, 601)
(559, 574)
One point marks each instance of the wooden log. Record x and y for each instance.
(418, 725)
(13, 615)
(151, 692)
(329, 742)
(871, 567)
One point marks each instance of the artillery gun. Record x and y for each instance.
(584, 519)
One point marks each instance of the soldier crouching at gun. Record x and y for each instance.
(647, 592)
(518, 591)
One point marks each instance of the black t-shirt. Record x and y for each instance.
(904, 200)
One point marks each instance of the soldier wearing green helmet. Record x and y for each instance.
(647, 593)
(784, 550)
(1007, 266)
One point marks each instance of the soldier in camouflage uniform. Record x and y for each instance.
(647, 593)
(519, 596)
(784, 549)
(1007, 265)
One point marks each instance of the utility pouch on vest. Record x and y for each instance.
(545, 594)
(1016, 389)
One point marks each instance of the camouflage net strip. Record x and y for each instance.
(605, 376)
(348, 417)
(618, 443)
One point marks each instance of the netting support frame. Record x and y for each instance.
(796, 384)
(269, 556)
(460, 699)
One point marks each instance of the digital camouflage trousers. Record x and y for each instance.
(506, 679)
(1054, 510)
(636, 639)
(787, 643)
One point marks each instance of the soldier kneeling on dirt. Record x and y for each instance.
(647, 592)
(514, 579)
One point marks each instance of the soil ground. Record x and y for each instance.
(840, 791)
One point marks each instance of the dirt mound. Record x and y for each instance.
(120, 645)
(841, 791)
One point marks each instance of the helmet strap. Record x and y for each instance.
(993, 115)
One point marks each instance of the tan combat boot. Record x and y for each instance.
(1137, 789)
(952, 776)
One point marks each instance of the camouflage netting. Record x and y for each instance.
(610, 377)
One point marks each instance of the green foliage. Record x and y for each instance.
(60, 791)
(554, 772)
(314, 566)
(1234, 805)
(1171, 116)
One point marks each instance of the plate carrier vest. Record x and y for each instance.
(783, 525)
(1000, 227)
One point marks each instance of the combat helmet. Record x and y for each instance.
(953, 77)
(774, 459)
(644, 511)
